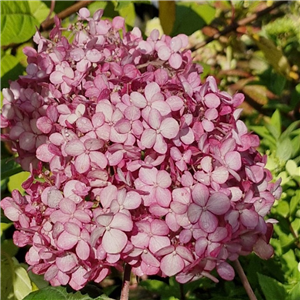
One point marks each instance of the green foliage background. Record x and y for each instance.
(260, 59)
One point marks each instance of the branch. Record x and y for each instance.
(126, 283)
(244, 280)
(233, 26)
(48, 23)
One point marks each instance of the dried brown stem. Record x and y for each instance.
(234, 25)
(48, 23)
(244, 280)
(126, 283)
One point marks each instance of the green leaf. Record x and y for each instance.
(284, 149)
(39, 10)
(283, 208)
(154, 285)
(7, 276)
(290, 266)
(8, 245)
(276, 121)
(60, 293)
(11, 69)
(294, 294)
(9, 167)
(197, 14)
(295, 201)
(17, 23)
(272, 289)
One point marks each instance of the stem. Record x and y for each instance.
(182, 295)
(244, 280)
(126, 283)
(51, 9)
(48, 23)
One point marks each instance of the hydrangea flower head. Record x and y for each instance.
(142, 163)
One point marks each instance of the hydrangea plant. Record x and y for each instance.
(134, 161)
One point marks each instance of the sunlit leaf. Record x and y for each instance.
(257, 92)
(22, 284)
(283, 208)
(17, 23)
(294, 294)
(39, 10)
(15, 181)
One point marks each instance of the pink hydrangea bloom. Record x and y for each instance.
(142, 162)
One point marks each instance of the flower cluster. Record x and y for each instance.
(133, 159)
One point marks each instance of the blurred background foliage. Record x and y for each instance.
(249, 46)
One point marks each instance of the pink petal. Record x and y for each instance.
(220, 175)
(67, 262)
(155, 118)
(208, 221)
(122, 222)
(175, 60)
(43, 153)
(169, 128)
(163, 196)
(98, 159)
(176, 43)
(148, 138)
(225, 271)
(82, 163)
(171, 264)
(160, 145)
(200, 246)
(218, 203)
(249, 218)
(83, 250)
(114, 241)
(93, 55)
(158, 242)
(164, 52)
(148, 176)
(159, 227)
(74, 148)
(27, 140)
(200, 194)
(138, 99)
(66, 240)
(163, 179)
(175, 103)
(194, 213)
(233, 160)
(212, 100)
(151, 90)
